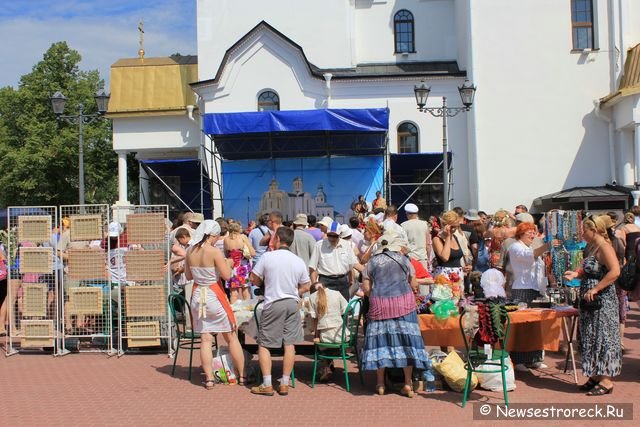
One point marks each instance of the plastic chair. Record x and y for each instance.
(185, 337)
(475, 356)
(350, 326)
(255, 317)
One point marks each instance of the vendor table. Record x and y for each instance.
(531, 329)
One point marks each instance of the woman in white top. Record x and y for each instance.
(210, 310)
(326, 307)
(525, 284)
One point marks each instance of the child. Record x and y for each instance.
(178, 254)
(327, 306)
(475, 278)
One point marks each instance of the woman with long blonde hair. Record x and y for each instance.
(447, 248)
(326, 307)
(238, 248)
(598, 326)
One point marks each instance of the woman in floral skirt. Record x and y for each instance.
(598, 326)
(393, 338)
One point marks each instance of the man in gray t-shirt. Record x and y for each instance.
(418, 236)
(303, 242)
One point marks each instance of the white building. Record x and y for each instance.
(541, 67)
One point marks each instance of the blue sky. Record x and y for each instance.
(102, 31)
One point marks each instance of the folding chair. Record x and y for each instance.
(475, 356)
(185, 337)
(348, 341)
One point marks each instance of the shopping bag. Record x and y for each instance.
(454, 373)
(223, 369)
(493, 381)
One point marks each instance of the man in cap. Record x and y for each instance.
(418, 236)
(332, 261)
(191, 221)
(324, 224)
(303, 242)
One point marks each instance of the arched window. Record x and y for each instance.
(403, 31)
(268, 101)
(407, 138)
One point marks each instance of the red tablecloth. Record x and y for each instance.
(531, 329)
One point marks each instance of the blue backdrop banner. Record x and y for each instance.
(325, 186)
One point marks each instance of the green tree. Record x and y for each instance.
(38, 153)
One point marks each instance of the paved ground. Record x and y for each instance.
(93, 390)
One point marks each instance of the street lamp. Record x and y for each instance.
(467, 93)
(57, 103)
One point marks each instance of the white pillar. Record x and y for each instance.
(122, 178)
(122, 207)
(626, 157)
(636, 147)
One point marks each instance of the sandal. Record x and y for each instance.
(242, 381)
(380, 389)
(588, 385)
(208, 384)
(600, 390)
(325, 376)
(407, 390)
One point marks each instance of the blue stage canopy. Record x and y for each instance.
(300, 133)
(341, 120)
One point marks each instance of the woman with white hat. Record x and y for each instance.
(392, 338)
(210, 310)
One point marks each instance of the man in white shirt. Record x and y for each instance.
(332, 261)
(284, 277)
(418, 236)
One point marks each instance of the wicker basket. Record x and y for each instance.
(37, 333)
(86, 227)
(136, 331)
(145, 301)
(85, 300)
(85, 264)
(146, 228)
(145, 265)
(34, 300)
(36, 260)
(34, 228)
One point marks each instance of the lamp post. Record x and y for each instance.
(57, 102)
(467, 92)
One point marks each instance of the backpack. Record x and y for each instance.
(629, 272)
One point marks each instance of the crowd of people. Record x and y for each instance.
(384, 261)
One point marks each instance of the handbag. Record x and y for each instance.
(594, 305)
(627, 278)
(246, 252)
